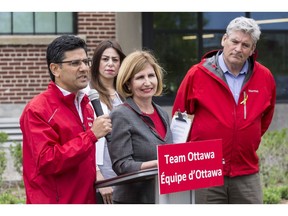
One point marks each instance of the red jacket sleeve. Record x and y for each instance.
(50, 152)
(268, 114)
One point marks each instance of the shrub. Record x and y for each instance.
(273, 159)
(271, 195)
(3, 137)
(9, 198)
(3, 159)
(16, 152)
(11, 194)
(284, 192)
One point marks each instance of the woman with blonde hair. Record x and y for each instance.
(138, 125)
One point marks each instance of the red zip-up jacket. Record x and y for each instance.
(58, 150)
(205, 93)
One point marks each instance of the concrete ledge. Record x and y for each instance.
(11, 111)
(29, 39)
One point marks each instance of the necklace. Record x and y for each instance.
(149, 112)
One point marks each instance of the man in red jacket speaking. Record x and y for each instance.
(232, 97)
(59, 130)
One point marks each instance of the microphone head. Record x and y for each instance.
(93, 94)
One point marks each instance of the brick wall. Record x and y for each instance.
(96, 27)
(23, 72)
(23, 69)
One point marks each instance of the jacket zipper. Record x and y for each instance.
(84, 127)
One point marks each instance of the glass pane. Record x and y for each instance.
(272, 52)
(271, 20)
(23, 22)
(173, 20)
(5, 22)
(212, 42)
(45, 22)
(64, 22)
(176, 55)
(218, 20)
(175, 45)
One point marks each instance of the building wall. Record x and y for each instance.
(23, 68)
(96, 27)
(129, 25)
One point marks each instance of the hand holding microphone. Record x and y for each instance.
(102, 125)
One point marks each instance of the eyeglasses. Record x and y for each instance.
(77, 63)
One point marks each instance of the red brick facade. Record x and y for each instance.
(23, 69)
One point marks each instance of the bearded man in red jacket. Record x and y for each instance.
(232, 97)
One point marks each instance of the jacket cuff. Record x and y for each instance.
(92, 136)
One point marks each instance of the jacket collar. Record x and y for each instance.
(67, 98)
(146, 118)
(216, 53)
(134, 106)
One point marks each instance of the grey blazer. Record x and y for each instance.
(132, 143)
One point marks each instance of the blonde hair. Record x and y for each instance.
(133, 64)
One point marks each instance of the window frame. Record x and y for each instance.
(33, 32)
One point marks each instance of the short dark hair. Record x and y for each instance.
(57, 48)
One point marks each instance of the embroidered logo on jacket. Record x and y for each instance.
(253, 90)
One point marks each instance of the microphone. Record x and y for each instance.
(93, 96)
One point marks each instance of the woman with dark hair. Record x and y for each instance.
(106, 62)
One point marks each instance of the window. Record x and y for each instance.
(217, 20)
(179, 40)
(272, 49)
(36, 23)
(172, 48)
(271, 20)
